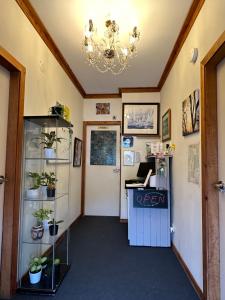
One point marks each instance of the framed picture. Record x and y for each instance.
(140, 119)
(166, 126)
(190, 110)
(128, 158)
(102, 108)
(128, 141)
(77, 152)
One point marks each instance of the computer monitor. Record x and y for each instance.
(144, 167)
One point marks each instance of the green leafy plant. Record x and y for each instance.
(42, 214)
(36, 177)
(50, 179)
(54, 222)
(48, 139)
(36, 264)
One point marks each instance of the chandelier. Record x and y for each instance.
(106, 53)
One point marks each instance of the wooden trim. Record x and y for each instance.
(85, 124)
(124, 221)
(13, 173)
(210, 197)
(188, 273)
(139, 90)
(35, 20)
(188, 23)
(102, 96)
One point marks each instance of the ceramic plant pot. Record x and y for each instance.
(43, 190)
(45, 224)
(37, 232)
(35, 277)
(49, 153)
(33, 193)
(50, 193)
(53, 229)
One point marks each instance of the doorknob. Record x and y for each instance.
(3, 179)
(220, 186)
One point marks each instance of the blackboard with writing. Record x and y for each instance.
(150, 199)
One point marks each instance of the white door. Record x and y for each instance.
(102, 182)
(4, 99)
(221, 164)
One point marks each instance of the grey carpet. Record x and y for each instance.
(104, 267)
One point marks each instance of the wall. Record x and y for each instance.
(183, 79)
(129, 172)
(46, 82)
(4, 95)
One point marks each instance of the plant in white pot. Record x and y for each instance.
(48, 140)
(43, 216)
(34, 190)
(35, 270)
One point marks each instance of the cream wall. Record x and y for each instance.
(183, 79)
(129, 172)
(46, 82)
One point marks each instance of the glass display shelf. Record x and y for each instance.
(49, 121)
(47, 239)
(48, 159)
(45, 198)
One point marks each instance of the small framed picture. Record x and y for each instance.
(128, 141)
(166, 126)
(77, 152)
(128, 158)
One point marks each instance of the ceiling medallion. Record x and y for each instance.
(106, 53)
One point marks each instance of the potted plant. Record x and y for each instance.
(51, 181)
(42, 216)
(48, 139)
(34, 191)
(35, 270)
(54, 226)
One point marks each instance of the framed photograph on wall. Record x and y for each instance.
(166, 126)
(77, 152)
(140, 119)
(128, 158)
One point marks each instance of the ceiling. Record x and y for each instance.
(159, 21)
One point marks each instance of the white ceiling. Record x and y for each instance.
(159, 21)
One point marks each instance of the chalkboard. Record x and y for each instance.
(150, 199)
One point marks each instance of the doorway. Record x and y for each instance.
(101, 169)
(213, 267)
(11, 172)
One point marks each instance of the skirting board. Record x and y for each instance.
(188, 273)
(123, 221)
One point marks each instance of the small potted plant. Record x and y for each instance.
(48, 139)
(34, 191)
(42, 216)
(51, 181)
(35, 270)
(54, 226)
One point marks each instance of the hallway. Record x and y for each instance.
(104, 267)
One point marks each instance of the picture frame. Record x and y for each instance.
(166, 126)
(77, 152)
(140, 119)
(128, 158)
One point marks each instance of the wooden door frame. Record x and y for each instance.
(210, 196)
(83, 176)
(8, 278)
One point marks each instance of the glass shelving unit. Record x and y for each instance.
(53, 247)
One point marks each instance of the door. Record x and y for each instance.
(4, 96)
(102, 181)
(221, 167)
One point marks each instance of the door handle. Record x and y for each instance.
(220, 186)
(3, 179)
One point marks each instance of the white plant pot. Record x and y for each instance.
(45, 224)
(33, 193)
(49, 153)
(44, 191)
(35, 277)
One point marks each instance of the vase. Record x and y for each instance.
(35, 277)
(49, 153)
(37, 232)
(33, 193)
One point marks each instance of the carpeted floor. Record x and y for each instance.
(104, 267)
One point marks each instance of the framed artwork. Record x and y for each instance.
(77, 152)
(140, 119)
(102, 108)
(128, 158)
(166, 126)
(128, 141)
(190, 110)
(193, 163)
